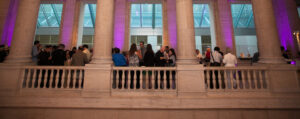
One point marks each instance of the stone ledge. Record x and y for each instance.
(152, 103)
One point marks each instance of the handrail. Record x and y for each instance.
(144, 68)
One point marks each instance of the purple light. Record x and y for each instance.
(293, 62)
(283, 25)
(172, 23)
(68, 20)
(119, 26)
(9, 26)
(226, 19)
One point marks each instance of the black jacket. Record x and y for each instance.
(149, 59)
(44, 58)
(59, 57)
(158, 61)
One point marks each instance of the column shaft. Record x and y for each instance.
(68, 23)
(24, 32)
(104, 32)
(11, 15)
(185, 32)
(166, 41)
(222, 26)
(172, 28)
(119, 26)
(287, 22)
(267, 35)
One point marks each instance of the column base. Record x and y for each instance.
(186, 61)
(272, 60)
(19, 60)
(102, 61)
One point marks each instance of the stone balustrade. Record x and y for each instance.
(236, 78)
(51, 77)
(152, 79)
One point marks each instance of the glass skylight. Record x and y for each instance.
(50, 15)
(89, 15)
(146, 15)
(242, 15)
(201, 15)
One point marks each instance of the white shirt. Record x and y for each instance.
(229, 60)
(216, 57)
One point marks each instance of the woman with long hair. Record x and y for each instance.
(149, 56)
(134, 61)
(148, 62)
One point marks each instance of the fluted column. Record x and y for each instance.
(266, 30)
(104, 30)
(185, 32)
(24, 32)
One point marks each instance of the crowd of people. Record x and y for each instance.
(58, 56)
(144, 56)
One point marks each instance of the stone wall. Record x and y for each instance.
(46, 113)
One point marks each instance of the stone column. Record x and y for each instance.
(98, 72)
(104, 30)
(185, 32)
(166, 41)
(11, 13)
(169, 24)
(68, 23)
(267, 35)
(287, 22)
(222, 26)
(119, 26)
(22, 42)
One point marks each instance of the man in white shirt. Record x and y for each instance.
(230, 61)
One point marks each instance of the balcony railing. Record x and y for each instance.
(144, 79)
(236, 78)
(150, 79)
(52, 77)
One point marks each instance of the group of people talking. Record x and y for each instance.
(144, 56)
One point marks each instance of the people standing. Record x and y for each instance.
(118, 59)
(59, 55)
(230, 60)
(134, 60)
(160, 61)
(45, 56)
(199, 56)
(149, 62)
(142, 51)
(207, 56)
(87, 52)
(79, 58)
(172, 61)
(215, 60)
(35, 52)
